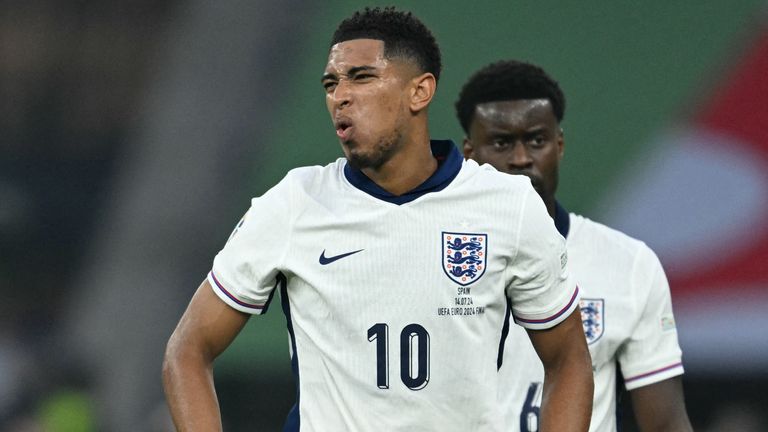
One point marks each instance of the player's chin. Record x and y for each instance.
(349, 148)
(538, 185)
(361, 159)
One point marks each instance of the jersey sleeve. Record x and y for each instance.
(541, 292)
(652, 353)
(246, 271)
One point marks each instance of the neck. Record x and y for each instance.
(550, 203)
(407, 169)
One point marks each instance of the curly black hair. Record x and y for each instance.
(508, 80)
(404, 36)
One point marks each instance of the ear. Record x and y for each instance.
(469, 151)
(422, 91)
(560, 144)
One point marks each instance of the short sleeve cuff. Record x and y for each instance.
(550, 319)
(228, 296)
(634, 381)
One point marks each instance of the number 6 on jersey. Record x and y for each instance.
(414, 355)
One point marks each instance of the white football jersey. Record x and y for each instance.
(396, 304)
(626, 310)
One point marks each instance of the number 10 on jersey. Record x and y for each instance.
(414, 355)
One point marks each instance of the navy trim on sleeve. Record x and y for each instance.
(449, 162)
(293, 421)
(504, 334)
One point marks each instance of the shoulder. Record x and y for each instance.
(298, 185)
(309, 174)
(506, 196)
(584, 227)
(612, 243)
(493, 180)
(311, 178)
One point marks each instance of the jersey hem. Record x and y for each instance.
(229, 298)
(654, 376)
(552, 320)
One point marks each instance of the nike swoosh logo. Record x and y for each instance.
(324, 260)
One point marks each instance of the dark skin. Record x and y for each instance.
(524, 137)
(519, 137)
(379, 109)
(661, 406)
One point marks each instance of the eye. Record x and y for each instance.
(499, 144)
(537, 141)
(362, 77)
(329, 86)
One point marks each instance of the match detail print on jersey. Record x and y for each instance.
(464, 256)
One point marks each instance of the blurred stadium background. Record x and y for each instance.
(132, 134)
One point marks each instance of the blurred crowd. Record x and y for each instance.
(72, 75)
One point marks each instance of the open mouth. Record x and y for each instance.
(343, 129)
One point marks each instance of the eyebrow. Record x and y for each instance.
(503, 132)
(351, 71)
(537, 129)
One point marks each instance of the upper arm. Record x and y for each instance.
(554, 345)
(566, 402)
(661, 406)
(208, 325)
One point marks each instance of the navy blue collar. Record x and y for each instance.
(449, 162)
(562, 220)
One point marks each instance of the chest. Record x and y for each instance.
(435, 262)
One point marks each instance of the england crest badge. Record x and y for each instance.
(593, 318)
(464, 256)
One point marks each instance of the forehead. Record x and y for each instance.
(356, 52)
(515, 113)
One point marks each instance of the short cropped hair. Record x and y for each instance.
(404, 36)
(508, 80)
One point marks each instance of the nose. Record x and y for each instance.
(519, 157)
(341, 96)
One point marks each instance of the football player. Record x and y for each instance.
(511, 113)
(394, 265)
